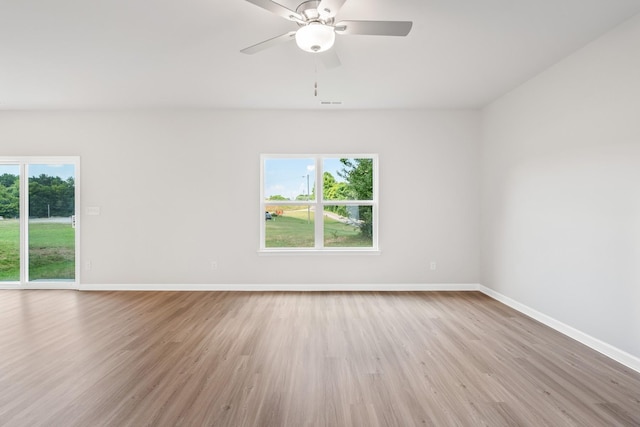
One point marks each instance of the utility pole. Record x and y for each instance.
(308, 206)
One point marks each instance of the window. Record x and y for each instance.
(38, 228)
(294, 189)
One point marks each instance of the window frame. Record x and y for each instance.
(318, 205)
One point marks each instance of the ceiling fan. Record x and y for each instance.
(317, 27)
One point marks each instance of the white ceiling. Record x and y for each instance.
(185, 53)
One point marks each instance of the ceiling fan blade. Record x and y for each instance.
(278, 9)
(329, 8)
(329, 59)
(269, 43)
(374, 28)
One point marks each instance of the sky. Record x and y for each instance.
(288, 176)
(10, 169)
(63, 171)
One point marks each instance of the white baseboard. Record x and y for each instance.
(608, 350)
(283, 287)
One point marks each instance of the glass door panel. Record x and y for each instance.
(9, 223)
(51, 232)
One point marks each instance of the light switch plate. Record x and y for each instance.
(92, 210)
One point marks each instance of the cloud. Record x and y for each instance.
(310, 168)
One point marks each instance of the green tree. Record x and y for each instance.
(328, 181)
(51, 195)
(7, 180)
(9, 196)
(277, 197)
(333, 190)
(48, 195)
(358, 173)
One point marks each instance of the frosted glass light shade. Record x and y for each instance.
(315, 37)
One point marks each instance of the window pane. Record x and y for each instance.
(291, 228)
(348, 226)
(289, 179)
(9, 223)
(51, 222)
(347, 179)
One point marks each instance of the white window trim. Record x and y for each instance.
(22, 162)
(318, 203)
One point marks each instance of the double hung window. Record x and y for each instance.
(319, 203)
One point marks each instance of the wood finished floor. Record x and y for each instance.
(72, 358)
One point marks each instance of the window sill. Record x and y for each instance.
(312, 251)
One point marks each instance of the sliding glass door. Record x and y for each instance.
(39, 228)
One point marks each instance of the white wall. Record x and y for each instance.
(178, 189)
(560, 214)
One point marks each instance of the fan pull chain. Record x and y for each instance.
(315, 84)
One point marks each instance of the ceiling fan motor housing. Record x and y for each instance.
(309, 10)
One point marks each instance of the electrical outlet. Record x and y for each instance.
(87, 265)
(214, 265)
(432, 265)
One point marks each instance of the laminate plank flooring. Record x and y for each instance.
(72, 358)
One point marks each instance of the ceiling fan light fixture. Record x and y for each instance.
(315, 37)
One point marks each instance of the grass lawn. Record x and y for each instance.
(10, 250)
(51, 251)
(340, 235)
(293, 230)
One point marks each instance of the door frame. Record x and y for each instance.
(22, 162)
